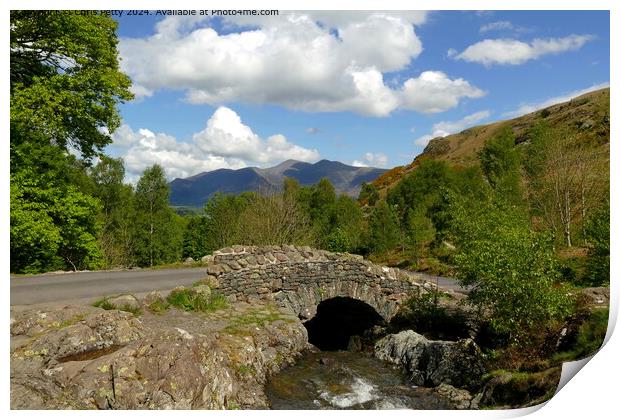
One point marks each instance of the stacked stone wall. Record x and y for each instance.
(301, 277)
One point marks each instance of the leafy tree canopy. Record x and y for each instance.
(65, 80)
(511, 269)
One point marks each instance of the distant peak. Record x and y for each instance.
(287, 162)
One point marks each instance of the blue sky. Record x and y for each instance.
(364, 88)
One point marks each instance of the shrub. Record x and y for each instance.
(337, 241)
(136, 311)
(191, 300)
(510, 269)
(158, 306)
(589, 338)
(597, 232)
(104, 303)
(423, 313)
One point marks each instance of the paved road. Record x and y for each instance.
(443, 282)
(70, 286)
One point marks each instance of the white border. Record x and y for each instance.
(592, 394)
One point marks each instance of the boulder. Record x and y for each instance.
(207, 259)
(98, 331)
(125, 302)
(114, 360)
(327, 361)
(596, 295)
(33, 322)
(459, 399)
(431, 363)
(203, 289)
(520, 389)
(355, 343)
(188, 260)
(210, 281)
(152, 297)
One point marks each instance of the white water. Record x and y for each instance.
(361, 391)
(346, 380)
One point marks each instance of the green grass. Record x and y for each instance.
(175, 265)
(244, 369)
(522, 389)
(589, 338)
(202, 282)
(233, 406)
(69, 322)
(158, 306)
(104, 303)
(241, 324)
(192, 301)
(136, 311)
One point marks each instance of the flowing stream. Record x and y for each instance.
(346, 380)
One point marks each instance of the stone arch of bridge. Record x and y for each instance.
(300, 278)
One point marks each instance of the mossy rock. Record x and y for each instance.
(520, 389)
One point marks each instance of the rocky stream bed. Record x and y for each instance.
(247, 355)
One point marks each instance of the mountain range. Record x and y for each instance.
(196, 190)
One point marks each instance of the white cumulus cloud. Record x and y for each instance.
(435, 92)
(378, 160)
(225, 135)
(445, 128)
(329, 18)
(224, 143)
(508, 51)
(310, 61)
(497, 26)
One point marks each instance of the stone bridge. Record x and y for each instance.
(299, 278)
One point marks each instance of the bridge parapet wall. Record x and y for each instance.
(301, 277)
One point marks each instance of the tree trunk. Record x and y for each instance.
(71, 262)
(583, 211)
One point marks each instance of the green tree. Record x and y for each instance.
(597, 233)
(118, 214)
(318, 202)
(53, 226)
(384, 232)
(65, 88)
(323, 195)
(291, 187)
(338, 241)
(222, 218)
(369, 193)
(159, 234)
(274, 219)
(418, 199)
(500, 163)
(48, 213)
(420, 230)
(421, 188)
(510, 268)
(65, 79)
(195, 238)
(568, 177)
(322, 200)
(348, 224)
(35, 238)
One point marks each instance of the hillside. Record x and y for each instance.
(586, 115)
(196, 190)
